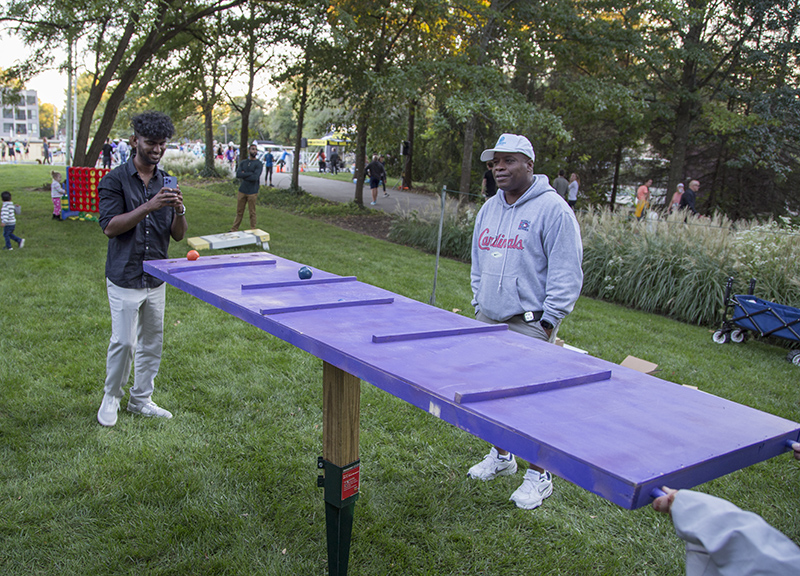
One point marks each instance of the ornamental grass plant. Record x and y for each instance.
(678, 266)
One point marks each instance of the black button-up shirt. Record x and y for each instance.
(121, 191)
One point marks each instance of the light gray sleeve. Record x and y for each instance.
(721, 539)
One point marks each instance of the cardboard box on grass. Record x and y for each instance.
(639, 365)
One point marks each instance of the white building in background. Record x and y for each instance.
(21, 119)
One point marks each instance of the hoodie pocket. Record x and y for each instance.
(499, 300)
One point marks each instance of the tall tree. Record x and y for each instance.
(369, 39)
(694, 49)
(122, 39)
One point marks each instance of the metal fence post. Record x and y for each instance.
(438, 247)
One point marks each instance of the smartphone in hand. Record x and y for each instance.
(170, 182)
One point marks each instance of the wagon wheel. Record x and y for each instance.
(794, 357)
(722, 337)
(738, 335)
(796, 360)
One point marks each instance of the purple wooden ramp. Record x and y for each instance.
(611, 430)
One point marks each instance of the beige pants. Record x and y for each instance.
(250, 201)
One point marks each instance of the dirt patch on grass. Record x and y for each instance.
(376, 225)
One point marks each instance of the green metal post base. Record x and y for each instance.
(339, 524)
(341, 485)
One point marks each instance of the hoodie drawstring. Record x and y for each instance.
(505, 253)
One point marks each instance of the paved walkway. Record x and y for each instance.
(398, 201)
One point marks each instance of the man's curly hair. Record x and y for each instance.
(151, 124)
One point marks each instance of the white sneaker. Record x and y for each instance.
(22, 243)
(493, 465)
(107, 415)
(535, 488)
(150, 409)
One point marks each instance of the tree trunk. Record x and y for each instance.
(687, 101)
(244, 138)
(412, 114)
(155, 40)
(112, 106)
(99, 86)
(208, 129)
(301, 116)
(361, 154)
(466, 157)
(487, 33)
(615, 185)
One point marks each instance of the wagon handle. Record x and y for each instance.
(752, 289)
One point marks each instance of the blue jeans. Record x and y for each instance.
(8, 235)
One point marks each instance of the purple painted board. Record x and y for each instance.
(618, 437)
(497, 393)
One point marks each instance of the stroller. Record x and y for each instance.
(766, 318)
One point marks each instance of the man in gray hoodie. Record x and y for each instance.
(526, 272)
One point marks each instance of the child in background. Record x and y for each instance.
(8, 218)
(56, 191)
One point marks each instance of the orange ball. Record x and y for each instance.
(192, 255)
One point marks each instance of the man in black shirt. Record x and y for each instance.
(376, 173)
(690, 197)
(139, 215)
(108, 150)
(334, 162)
(249, 172)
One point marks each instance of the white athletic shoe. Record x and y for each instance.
(535, 488)
(107, 415)
(493, 465)
(150, 409)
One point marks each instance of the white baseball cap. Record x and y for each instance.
(510, 143)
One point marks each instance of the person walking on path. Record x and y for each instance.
(269, 162)
(139, 216)
(108, 150)
(526, 273)
(334, 160)
(675, 203)
(249, 172)
(230, 155)
(122, 150)
(572, 191)
(561, 185)
(689, 197)
(376, 173)
(47, 159)
(488, 185)
(8, 218)
(643, 199)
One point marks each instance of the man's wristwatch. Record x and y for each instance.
(181, 213)
(545, 324)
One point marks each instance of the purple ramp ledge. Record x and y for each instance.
(613, 431)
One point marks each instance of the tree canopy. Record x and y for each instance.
(615, 90)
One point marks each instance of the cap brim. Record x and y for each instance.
(487, 155)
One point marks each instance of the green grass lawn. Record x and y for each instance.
(228, 486)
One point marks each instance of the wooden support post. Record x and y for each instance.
(341, 407)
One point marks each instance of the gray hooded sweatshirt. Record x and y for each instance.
(526, 256)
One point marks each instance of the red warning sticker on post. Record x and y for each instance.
(350, 481)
